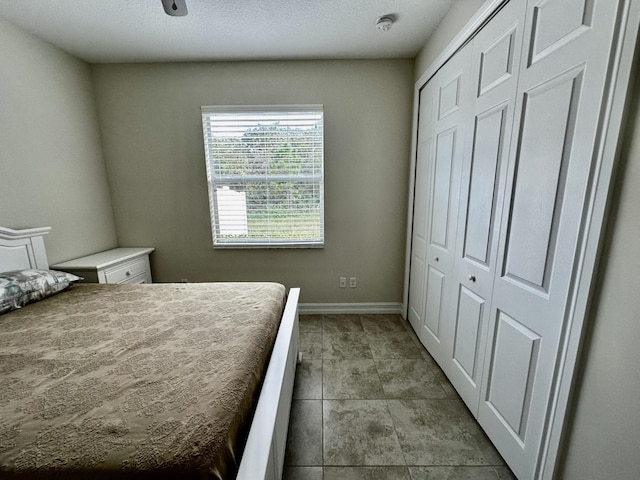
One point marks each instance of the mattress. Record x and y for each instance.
(134, 381)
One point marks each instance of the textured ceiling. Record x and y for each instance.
(107, 31)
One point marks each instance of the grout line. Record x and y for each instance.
(386, 400)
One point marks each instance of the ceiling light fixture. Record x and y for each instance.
(384, 23)
(175, 8)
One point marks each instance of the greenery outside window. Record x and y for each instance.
(265, 169)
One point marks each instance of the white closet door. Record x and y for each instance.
(451, 93)
(426, 125)
(560, 93)
(494, 73)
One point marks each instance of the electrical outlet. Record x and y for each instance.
(352, 282)
(343, 282)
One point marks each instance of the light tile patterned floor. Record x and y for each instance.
(370, 403)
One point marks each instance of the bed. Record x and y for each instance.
(143, 381)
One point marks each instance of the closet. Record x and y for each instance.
(508, 202)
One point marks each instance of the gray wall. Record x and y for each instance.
(51, 167)
(604, 439)
(604, 432)
(152, 138)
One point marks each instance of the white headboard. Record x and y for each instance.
(23, 249)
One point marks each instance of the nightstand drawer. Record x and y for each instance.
(122, 273)
(118, 265)
(135, 280)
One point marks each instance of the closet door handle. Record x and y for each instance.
(437, 259)
(472, 278)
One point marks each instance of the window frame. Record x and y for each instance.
(214, 182)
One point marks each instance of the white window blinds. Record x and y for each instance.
(265, 167)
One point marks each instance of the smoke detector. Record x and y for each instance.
(384, 23)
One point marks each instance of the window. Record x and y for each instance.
(265, 171)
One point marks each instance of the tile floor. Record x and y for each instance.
(370, 403)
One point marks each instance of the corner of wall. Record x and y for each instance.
(457, 17)
(50, 91)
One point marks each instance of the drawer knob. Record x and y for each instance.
(128, 273)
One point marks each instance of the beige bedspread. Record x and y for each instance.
(126, 381)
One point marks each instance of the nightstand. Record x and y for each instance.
(120, 265)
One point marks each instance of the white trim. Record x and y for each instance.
(412, 187)
(346, 308)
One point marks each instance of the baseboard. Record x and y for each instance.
(346, 308)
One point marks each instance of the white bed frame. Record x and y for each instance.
(263, 456)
